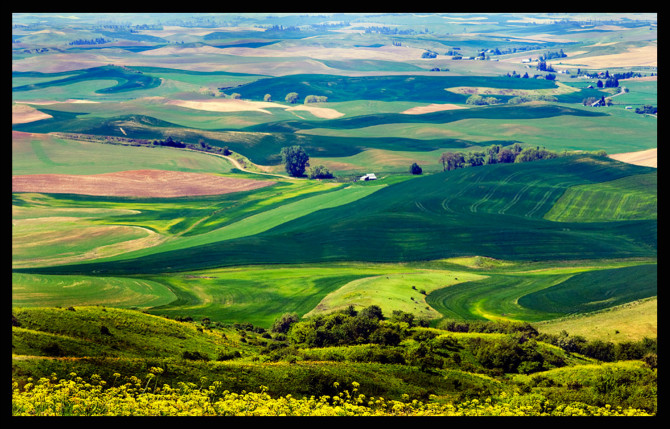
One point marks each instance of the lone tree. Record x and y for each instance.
(291, 97)
(415, 169)
(295, 160)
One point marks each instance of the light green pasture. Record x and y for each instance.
(404, 291)
(29, 290)
(376, 160)
(47, 154)
(260, 294)
(628, 322)
(84, 90)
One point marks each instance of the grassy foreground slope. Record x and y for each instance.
(77, 345)
(496, 211)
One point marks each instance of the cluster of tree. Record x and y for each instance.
(281, 28)
(593, 101)
(128, 27)
(429, 54)
(323, 26)
(626, 75)
(495, 154)
(319, 172)
(296, 162)
(515, 352)
(348, 327)
(291, 97)
(611, 82)
(96, 41)
(510, 354)
(542, 66)
(169, 142)
(517, 75)
(478, 100)
(206, 147)
(316, 99)
(528, 98)
(646, 109)
(645, 349)
(489, 327)
(415, 169)
(552, 55)
(387, 30)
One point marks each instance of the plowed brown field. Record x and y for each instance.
(136, 183)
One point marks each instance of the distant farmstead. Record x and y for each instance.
(369, 176)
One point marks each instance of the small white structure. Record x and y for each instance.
(369, 176)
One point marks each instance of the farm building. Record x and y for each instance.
(369, 176)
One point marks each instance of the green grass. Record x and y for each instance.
(628, 198)
(433, 291)
(125, 79)
(47, 154)
(627, 322)
(394, 291)
(429, 89)
(640, 93)
(37, 290)
(591, 291)
(132, 333)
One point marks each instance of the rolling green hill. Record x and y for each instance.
(433, 217)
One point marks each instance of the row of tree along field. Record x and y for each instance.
(497, 154)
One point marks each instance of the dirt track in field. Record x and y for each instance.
(136, 183)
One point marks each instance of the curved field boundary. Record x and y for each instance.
(260, 222)
(393, 291)
(595, 290)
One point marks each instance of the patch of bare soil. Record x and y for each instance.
(136, 183)
(22, 114)
(647, 158)
(419, 110)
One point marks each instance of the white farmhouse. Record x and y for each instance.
(369, 176)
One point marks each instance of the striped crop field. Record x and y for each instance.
(45, 291)
(628, 198)
(425, 218)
